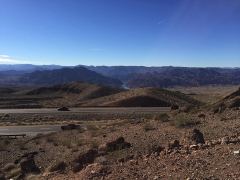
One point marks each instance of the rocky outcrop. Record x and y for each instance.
(117, 144)
(194, 136)
(84, 159)
(28, 166)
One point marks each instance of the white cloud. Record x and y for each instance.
(5, 59)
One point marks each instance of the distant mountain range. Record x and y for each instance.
(168, 76)
(26, 68)
(66, 75)
(117, 76)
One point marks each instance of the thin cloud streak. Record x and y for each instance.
(5, 59)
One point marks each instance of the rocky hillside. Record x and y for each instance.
(71, 94)
(143, 97)
(89, 95)
(231, 101)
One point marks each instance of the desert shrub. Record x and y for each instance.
(71, 143)
(162, 117)
(92, 127)
(184, 121)
(50, 139)
(148, 127)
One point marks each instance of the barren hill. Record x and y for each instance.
(72, 93)
(143, 97)
(231, 101)
(89, 95)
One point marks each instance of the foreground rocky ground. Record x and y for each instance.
(186, 143)
(178, 145)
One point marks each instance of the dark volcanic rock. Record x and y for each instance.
(84, 159)
(174, 144)
(117, 144)
(28, 166)
(197, 137)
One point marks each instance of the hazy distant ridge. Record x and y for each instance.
(130, 76)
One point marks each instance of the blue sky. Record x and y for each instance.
(121, 32)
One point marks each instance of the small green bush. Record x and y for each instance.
(162, 117)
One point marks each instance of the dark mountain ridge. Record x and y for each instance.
(168, 76)
(67, 75)
(127, 76)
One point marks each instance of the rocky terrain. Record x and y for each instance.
(144, 97)
(196, 144)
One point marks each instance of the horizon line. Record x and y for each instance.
(177, 66)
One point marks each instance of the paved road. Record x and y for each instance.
(33, 130)
(29, 130)
(86, 110)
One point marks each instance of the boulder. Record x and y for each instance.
(84, 159)
(175, 144)
(117, 144)
(28, 166)
(197, 137)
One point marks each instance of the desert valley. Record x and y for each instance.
(119, 90)
(85, 130)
